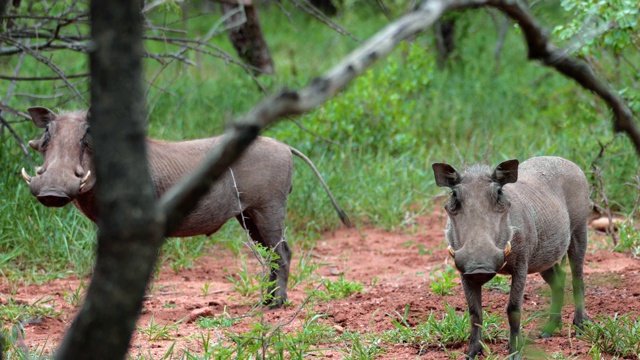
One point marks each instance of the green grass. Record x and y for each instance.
(442, 281)
(445, 330)
(338, 289)
(615, 335)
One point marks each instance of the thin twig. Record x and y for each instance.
(42, 78)
(15, 135)
(305, 129)
(55, 69)
(313, 11)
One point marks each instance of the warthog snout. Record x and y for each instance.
(53, 198)
(480, 270)
(479, 276)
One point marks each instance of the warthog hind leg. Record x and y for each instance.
(555, 277)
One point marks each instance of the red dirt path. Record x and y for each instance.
(394, 272)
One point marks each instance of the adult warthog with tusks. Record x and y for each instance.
(517, 220)
(254, 190)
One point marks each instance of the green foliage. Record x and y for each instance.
(359, 347)
(156, 332)
(615, 335)
(610, 24)
(607, 31)
(500, 283)
(445, 329)
(304, 271)
(180, 253)
(338, 289)
(14, 311)
(442, 282)
(629, 239)
(245, 282)
(267, 341)
(217, 322)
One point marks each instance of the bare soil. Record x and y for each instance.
(394, 268)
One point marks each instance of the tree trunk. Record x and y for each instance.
(246, 35)
(445, 39)
(130, 230)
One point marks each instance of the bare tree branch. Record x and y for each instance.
(42, 78)
(541, 49)
(179, 200)
(23, 148)
(313, 11)
(54, 67)
(182, 198)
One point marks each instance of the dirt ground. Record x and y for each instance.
(394, 268)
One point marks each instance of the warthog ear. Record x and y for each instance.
(445, 175)
(41, 116)
(506, 172)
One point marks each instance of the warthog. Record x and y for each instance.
(254, 190)
(517, 220)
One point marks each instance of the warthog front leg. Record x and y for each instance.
(555, 277)
(514, 308)
(473, 294)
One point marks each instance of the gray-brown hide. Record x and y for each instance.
(517, 220)
(254, 190)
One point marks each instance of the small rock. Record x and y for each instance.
(195, 314)
(602, 223)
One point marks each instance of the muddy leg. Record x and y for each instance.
(514, 308)
(576, 253)
(473, 294)
(267, 228)
(555, 277)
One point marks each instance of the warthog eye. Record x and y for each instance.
(45, 138)
(501, 200)
(86, 142)
(454, 205)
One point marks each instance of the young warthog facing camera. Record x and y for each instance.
(254, 190)
(517, 220)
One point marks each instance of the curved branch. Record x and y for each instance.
(541, 49)
(179, 200)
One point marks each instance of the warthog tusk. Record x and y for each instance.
(507, 250)
(85, 179)
(451, 252)
(503, 265)
(26, 176)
